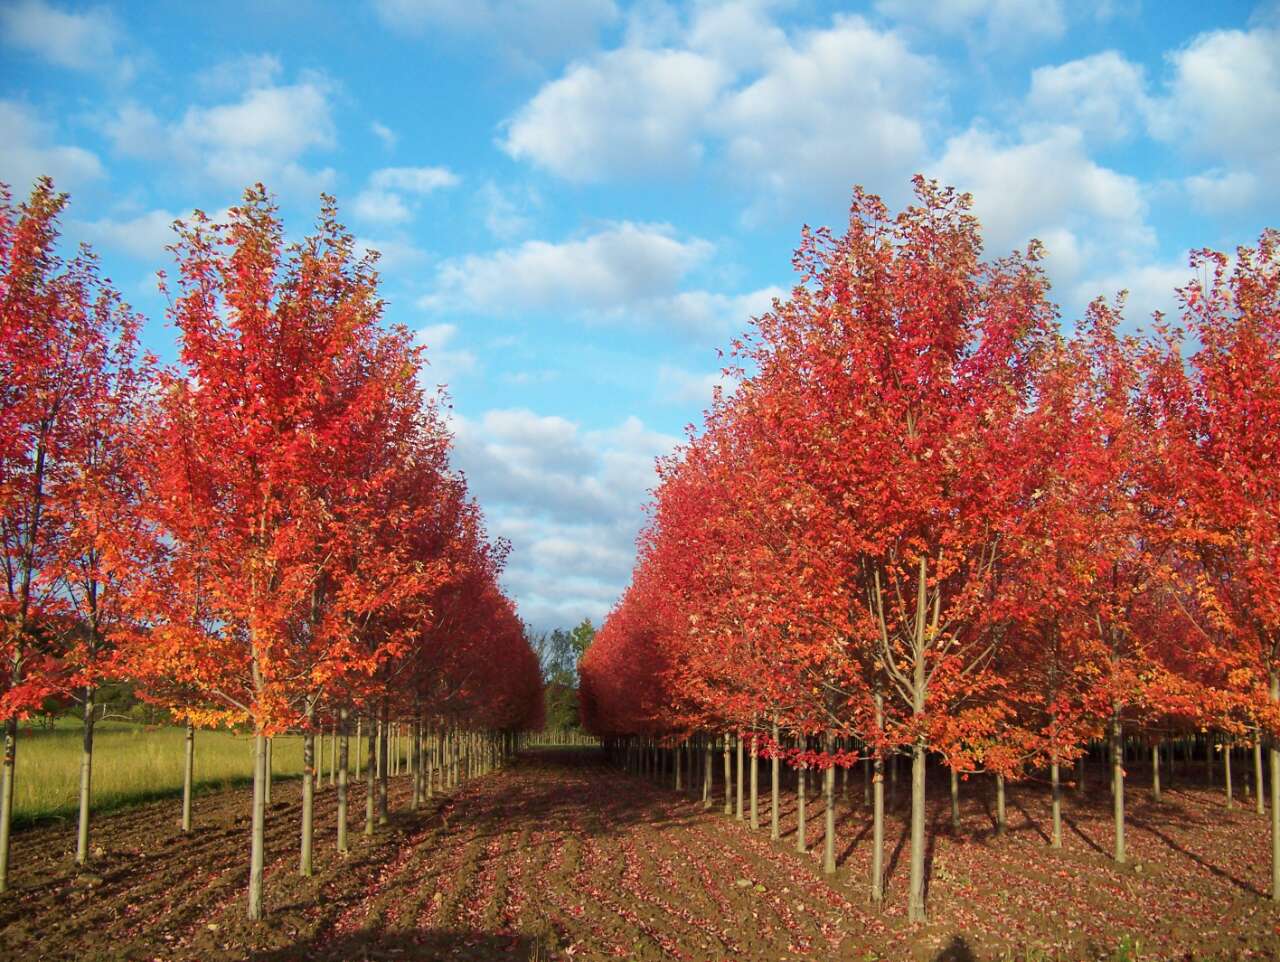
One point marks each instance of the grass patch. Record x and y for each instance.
(131, 763)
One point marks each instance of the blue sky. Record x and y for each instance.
(578, 201)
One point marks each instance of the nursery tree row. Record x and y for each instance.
(266, 533)
(932, 520)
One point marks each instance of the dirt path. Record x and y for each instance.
(560, 857)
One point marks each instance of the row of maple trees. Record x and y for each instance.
(266, 533)
(930, 520)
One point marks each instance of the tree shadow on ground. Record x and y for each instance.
(455, 945)
(957, 950)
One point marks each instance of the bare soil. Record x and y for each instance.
(561, 857)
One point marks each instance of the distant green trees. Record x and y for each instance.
(559, 652)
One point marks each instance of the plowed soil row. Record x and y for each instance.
(561, 857)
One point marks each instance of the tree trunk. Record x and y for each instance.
(1274, 754)
(915, 907)
(86, 780)
(415, 764)
(384, 746)
(268, 770)
(257, 843)
(1117, 786)
(188, 774)
(955, 802)
(739, 749)
(1259, 805)
(728, 778)
(877, 810)
(6, 797)
(829, 816)
(755, 784)
(1001, 815)
(1155, 771)
(774, 775)
(1056, 787)
(708, 773)
(343, 749)
(308, 793)
(800, 823)
(371, 778)
(1226, 775)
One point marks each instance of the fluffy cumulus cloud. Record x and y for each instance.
(30, 151)
(264, 134)
(1103, 96)
(88, 40)
(628, 112)
(989, 23)
(1222, 105)
(142, 237)
(1049, 187)
(528, 30)
(784, 114)
(624, 274)
(390, 196)
(616, 266)
(568, 498)
(446, 361)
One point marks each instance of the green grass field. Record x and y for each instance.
(131, 763)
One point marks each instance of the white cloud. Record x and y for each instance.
(677, 385)
(143, 237)
(444, 364)
(508, 211)
(384, 198)
(991, 23)
(705, 315)
(837, 106)
(1048, 187)
(1151, 287)
(629, 111)
(1103, 96)
(527, 30)
(261, 136)
(29, 152)
(88, 40)
(394, 253)
(1222, 103)
(242, 73)
(385, 134)
(1220, 190)
(617, 266)
(805, 115)
(568, 498)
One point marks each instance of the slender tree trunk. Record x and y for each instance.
(359, 747)
(1226, 775)
(188, 774)
(915, 906)
(1001, 814)
(384, 746)
(1117, 785)
(308, 793)
(415, 749)
(6, 797)
(371, 779)
(740, 751)
(708, 773)
(829, 816)
(343, 749)
(1080, 764)
(728, 778)
(801, 841)
(867, 764)
(257, 844)
(1155, 771)
(755, 784)
(877, 811)
(86, 780)
(1259, 805)
(955, 802)
(269, 769)
(1056, 787)
(774, 774)
(1274, 754)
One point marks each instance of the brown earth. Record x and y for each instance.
(560, 857)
